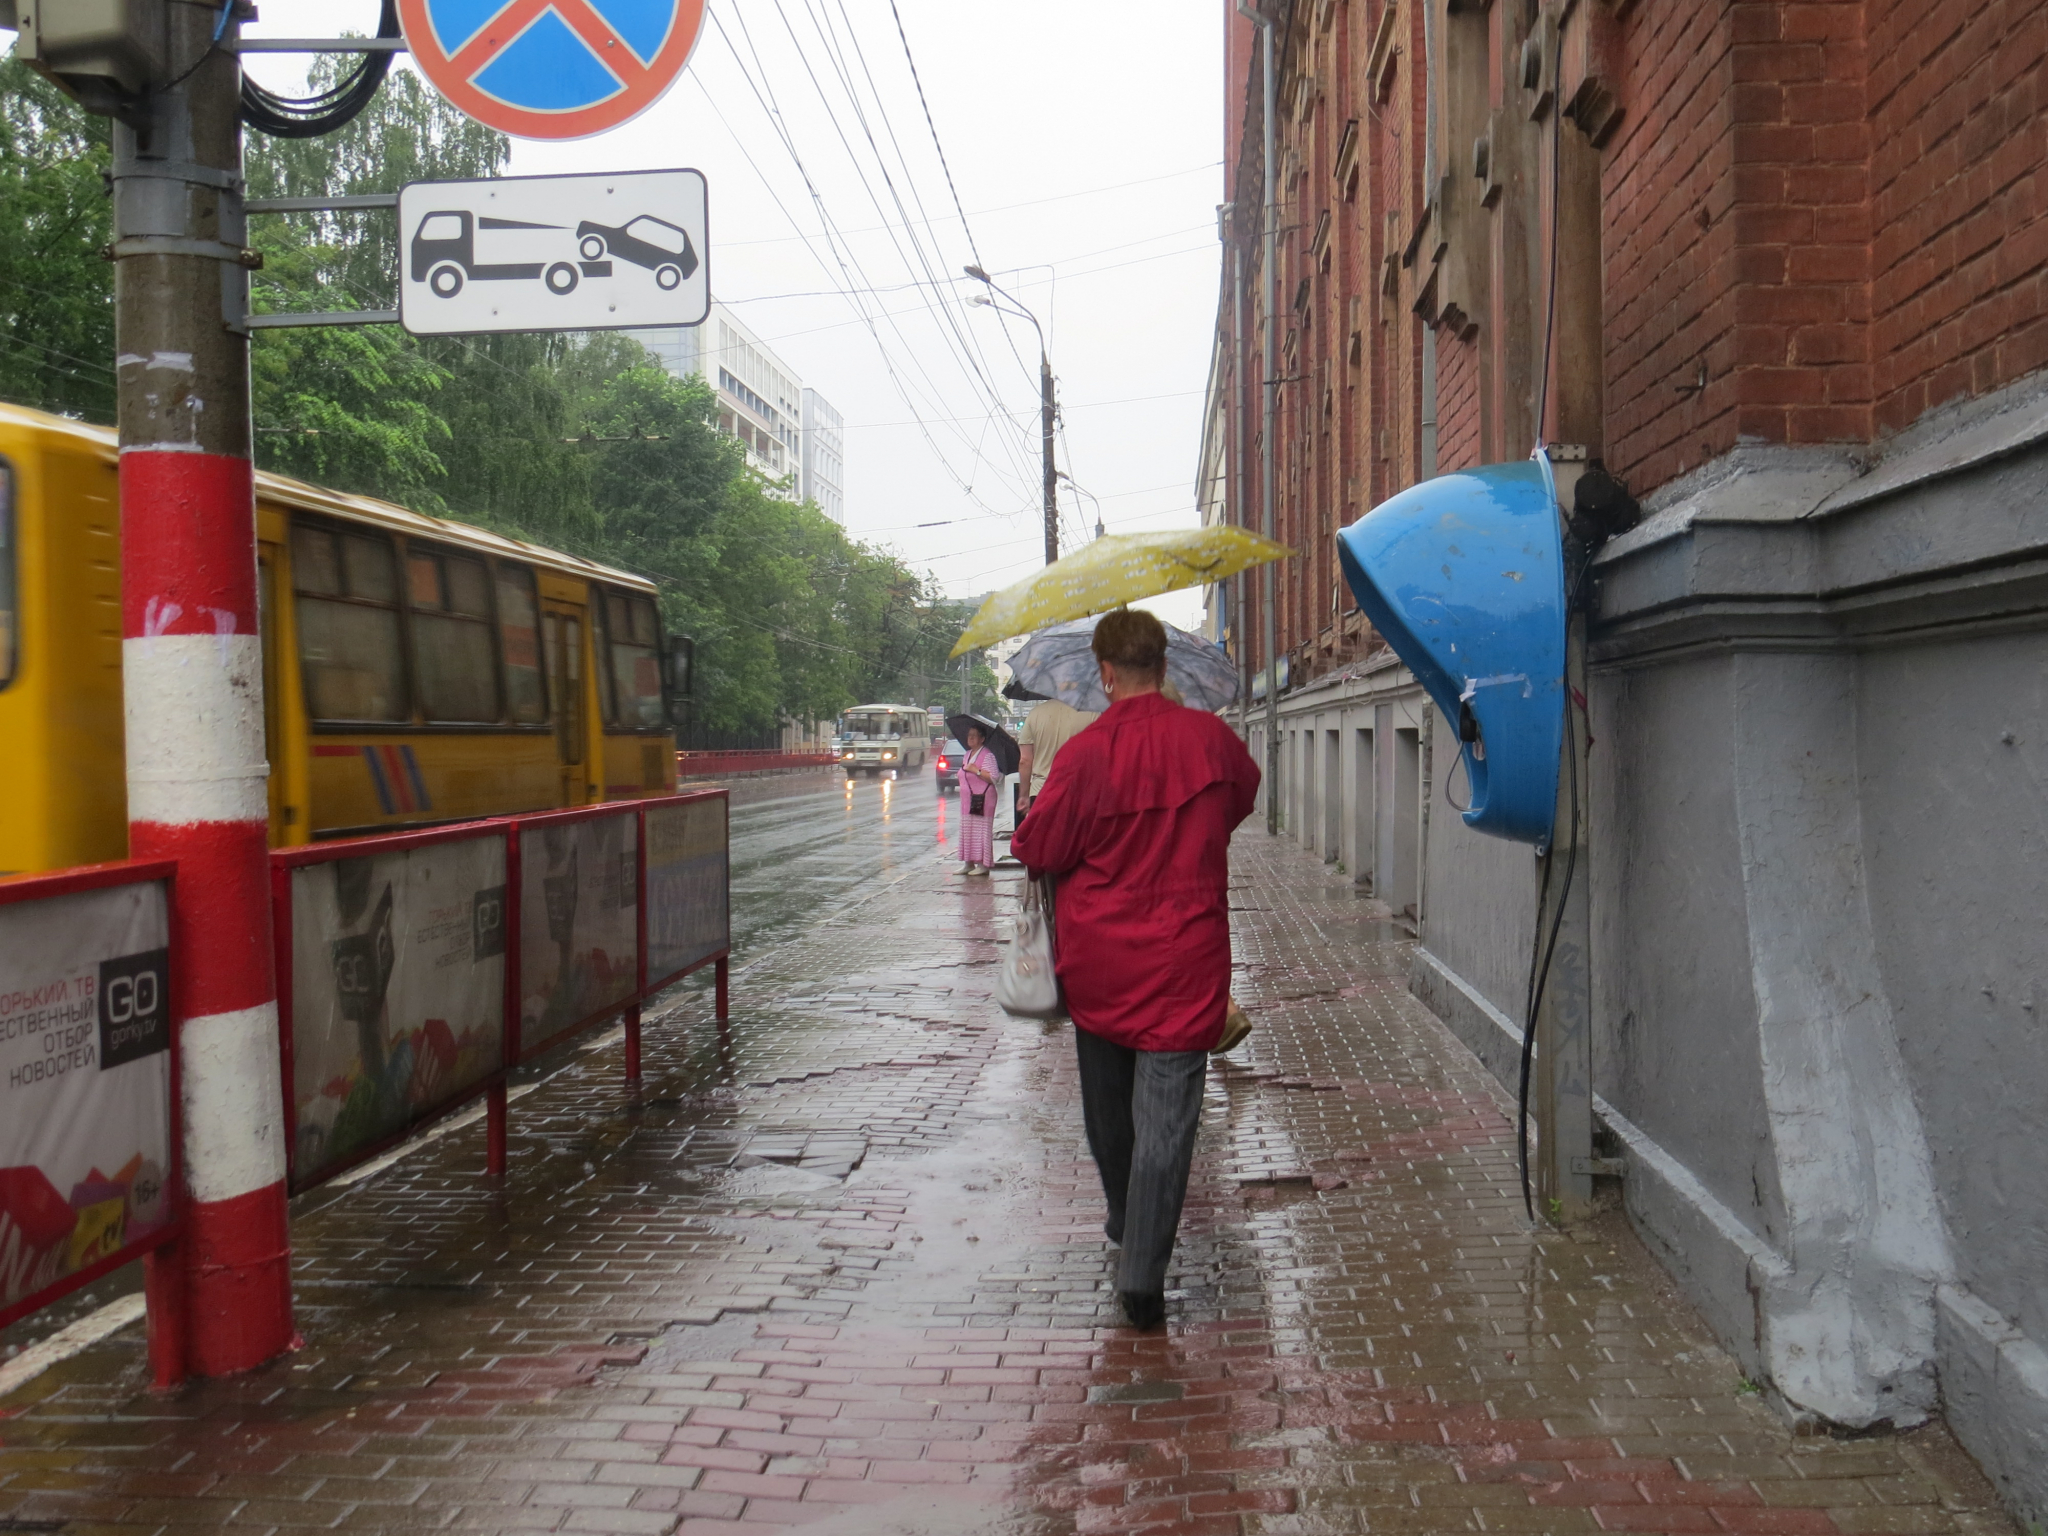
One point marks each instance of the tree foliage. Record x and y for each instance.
(56, 289)
(579, 442)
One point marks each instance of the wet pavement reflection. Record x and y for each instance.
(842, 1265)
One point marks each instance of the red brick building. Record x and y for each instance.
(1780, 222)
(1782, 266)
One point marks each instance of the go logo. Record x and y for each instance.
(135, 1007)
(487, 923)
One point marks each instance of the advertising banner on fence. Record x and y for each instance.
(578, 921)
(398, 992)
(687, 919)
(85, 1081)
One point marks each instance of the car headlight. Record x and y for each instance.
(887, 755)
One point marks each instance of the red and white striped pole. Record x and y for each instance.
(192, 681)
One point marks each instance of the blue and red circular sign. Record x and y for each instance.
(551, 69)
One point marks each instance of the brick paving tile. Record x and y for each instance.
(842, 1266)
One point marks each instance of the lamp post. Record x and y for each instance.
(1083, 490)
(1045, 402)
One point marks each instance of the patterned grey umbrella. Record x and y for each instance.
(1058, 663)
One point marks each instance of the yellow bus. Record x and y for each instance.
(416, 670)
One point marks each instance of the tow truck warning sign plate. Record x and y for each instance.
(553, 253)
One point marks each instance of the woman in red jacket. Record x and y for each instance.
(1137, 825)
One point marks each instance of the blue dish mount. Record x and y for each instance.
(1464, 576)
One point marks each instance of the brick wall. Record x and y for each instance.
(1959, 194)
(1817, 219)
(1457, 403)
(1801, 143)
(1668, 247)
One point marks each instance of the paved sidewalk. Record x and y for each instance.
(843, 1266)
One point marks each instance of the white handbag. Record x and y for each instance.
(1027, 987)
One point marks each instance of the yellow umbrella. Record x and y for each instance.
(1116, 569)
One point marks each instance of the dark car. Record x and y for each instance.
(946, 757)
(661, 247)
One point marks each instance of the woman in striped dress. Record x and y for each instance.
(979, 777)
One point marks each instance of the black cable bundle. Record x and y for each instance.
(309, 117)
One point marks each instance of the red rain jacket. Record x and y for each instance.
(1136, 822)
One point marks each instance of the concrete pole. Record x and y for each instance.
(1269, 366)
(1045, 430)
(192, 684)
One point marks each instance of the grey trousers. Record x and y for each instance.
(1141, 1109)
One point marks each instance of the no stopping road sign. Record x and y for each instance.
(551, 69)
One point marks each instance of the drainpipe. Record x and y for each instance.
(1269, 402)
(1240, 631)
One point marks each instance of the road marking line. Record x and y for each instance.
(68, 1341)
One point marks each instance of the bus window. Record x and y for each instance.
(8, 627)
(601, 623)
(453, 658)
(636, 662)
(349, 645)
(519, 638)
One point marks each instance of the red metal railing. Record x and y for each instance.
(416, 969)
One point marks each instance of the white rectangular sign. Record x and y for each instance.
(553, 253)
(85, 1081)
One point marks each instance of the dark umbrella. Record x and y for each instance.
(994, 737)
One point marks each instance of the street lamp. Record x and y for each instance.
(1045, 400)
(1083, 490)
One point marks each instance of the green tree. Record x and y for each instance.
(579, 442)
(56, 289)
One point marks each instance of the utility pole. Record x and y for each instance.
(192, 682)
(1045, 415)
(1269, 405)
(1046, 409)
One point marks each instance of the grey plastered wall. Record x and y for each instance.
(1480, 922)
(1820, 903)
(1674, 1032)
(1953, 752)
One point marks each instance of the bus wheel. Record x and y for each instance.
(561, 278)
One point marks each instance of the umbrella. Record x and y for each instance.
(1114, 570)
(1060, 662)
(998, 740)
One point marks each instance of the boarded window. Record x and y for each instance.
(454, 655)
(635, 702)
(349, 642)
(519, 644)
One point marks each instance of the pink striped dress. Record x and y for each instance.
(978, 833)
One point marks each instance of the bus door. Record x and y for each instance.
(564, 626)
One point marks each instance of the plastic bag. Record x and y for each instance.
(1027, 987)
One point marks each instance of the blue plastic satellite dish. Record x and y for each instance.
(1464, 576)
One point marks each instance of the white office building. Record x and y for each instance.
(824, 462)
(762, 403)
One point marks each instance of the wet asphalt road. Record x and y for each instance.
(808, 852)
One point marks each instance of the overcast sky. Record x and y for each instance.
(1084, 142)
